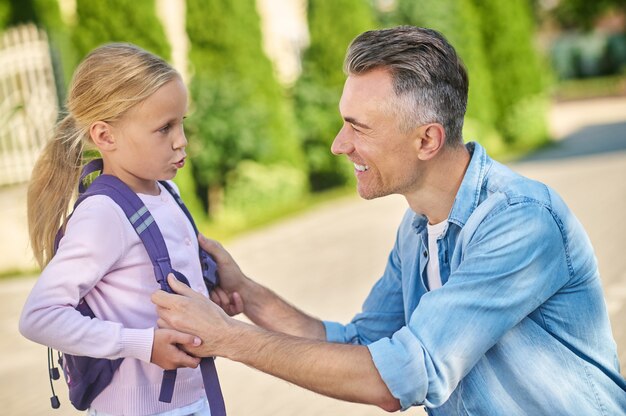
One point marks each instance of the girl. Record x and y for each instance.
(130, 105)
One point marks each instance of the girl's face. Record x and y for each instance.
(149, 140)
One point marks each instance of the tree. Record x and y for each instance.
(239, 111)
(46, 15)
(318, 89)
(583, 13)
(133, 21)
(516, 72)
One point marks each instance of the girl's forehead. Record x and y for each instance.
(170, 100)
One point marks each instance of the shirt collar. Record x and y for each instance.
(468, 195)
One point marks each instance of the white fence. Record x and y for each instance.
(28, 101)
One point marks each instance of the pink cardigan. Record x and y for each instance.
(102, 259)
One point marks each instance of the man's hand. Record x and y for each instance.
(231, 279)
(166, 352)
(237, 293)
(231, 303)
(345, 372)
(192, 313)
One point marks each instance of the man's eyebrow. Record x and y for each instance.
(356, 123)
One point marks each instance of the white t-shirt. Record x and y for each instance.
(432, 268)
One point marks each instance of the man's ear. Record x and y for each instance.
(432, 138)
(102, 135)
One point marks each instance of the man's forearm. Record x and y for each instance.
(268, 310)
(345, 372)
(342, 371)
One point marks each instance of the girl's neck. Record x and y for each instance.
(138, 185)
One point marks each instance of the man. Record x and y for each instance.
(490, 303)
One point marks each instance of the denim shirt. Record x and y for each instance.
(520, 325)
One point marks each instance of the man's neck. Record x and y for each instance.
(442, 182)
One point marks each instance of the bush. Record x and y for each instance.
(485, 134)
(577, 55)
(253, 190)
(565, 57)
(132, 21)
(5, 13)
(617, 52)
(526, 121)
(516, 72)
(239, 111)
(318, 90)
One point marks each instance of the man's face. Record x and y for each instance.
(385, 157)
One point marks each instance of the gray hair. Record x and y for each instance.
(429, 78)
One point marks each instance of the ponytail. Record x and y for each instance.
(51, 188)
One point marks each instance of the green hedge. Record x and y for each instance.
(239, 111)
(332, 26)
(253, 190)
(587, 55)
(133, 21)
(516, 71)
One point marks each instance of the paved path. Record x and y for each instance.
(327, 259)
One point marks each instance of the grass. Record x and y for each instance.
(579, 89)
(228, 229)
(13, 273)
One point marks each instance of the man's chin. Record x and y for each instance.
(369, 194)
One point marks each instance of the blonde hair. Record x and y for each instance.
(108, 82)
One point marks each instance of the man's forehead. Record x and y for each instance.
(366, 92)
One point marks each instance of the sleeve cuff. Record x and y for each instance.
(335, 332)
(137, 343)
(398, 359)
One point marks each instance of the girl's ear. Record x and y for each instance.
(102, 135)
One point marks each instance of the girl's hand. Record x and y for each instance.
(167, 352)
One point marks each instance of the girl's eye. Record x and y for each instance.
(165, 128)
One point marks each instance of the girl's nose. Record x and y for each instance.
(181, 140)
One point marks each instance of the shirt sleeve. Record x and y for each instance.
(512, 262)
(93, 243)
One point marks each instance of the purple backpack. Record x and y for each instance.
(86, 377)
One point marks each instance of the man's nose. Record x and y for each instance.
(341, 145)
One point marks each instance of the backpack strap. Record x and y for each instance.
(209, 267)
(207, 364)
(141, 220)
